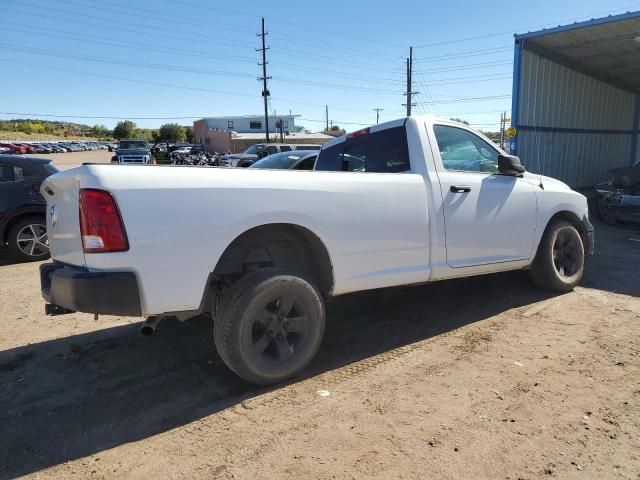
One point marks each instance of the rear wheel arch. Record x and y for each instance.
(290, 247)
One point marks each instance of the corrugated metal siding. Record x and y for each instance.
(552, 95)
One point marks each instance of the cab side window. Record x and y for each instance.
(464, 151)
(385, 151)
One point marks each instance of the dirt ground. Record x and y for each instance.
(480, 378)
(74, 159)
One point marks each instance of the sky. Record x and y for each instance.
(161, 61)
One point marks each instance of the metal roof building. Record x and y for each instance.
(576, 102)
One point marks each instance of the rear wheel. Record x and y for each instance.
(559, 262)
(270, 326)
(28, 239)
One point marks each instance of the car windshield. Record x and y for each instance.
(254, 149)
(278, 160)
(133, 145)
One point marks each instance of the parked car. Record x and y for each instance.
(132, 152)
(42, 148)
(296, 160)
(412, 201)
(28, 149)
(22, 207)
(14, 148)
(256, 152)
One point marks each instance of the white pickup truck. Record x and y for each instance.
(411, 201)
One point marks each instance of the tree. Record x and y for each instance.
(172, 132)
(100, 131)
(126, 129)
(189, 134)
(459, 120)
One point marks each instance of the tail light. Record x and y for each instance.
(101, 225)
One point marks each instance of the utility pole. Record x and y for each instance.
(502, 117)
(378, 110)
(326, 115)
(264, 78)
(409, 92)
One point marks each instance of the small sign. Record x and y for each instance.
(511, 132)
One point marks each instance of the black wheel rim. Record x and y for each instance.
(565, 254)
(278, 330)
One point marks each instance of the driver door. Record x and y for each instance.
(489, 218)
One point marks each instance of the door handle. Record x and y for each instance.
(460, 189)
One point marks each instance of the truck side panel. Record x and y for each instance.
(179, 220)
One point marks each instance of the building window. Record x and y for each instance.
(230, 124)
(255, 125)
(285, 124)
(207, 140)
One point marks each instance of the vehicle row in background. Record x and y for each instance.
(260, 150)
(22, 148)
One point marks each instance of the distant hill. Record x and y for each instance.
(27, 128)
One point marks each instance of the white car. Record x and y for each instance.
(411, 201)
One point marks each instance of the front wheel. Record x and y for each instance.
(270, 326)
(559, 262)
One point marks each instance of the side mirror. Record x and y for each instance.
(510, 165)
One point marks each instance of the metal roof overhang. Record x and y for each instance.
(607, 49)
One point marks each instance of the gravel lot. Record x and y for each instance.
(73, 159)
(475, 378)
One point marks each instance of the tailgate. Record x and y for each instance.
(62, 193)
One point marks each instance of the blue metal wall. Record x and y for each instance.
(570, 126)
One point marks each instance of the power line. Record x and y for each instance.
(470, 99)
(115, 61)
(111, 27)
(137, 45)
(187, 21)
(478, 37)
(470, 53)
(170, 85)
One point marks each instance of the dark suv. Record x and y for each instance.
(23, 227)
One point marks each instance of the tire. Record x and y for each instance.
(559, 262)
(28, 239)
(270, 326)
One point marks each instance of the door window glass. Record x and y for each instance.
(464, 151)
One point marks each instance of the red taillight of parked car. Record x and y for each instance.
(101, 224)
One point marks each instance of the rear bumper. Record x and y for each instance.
(106, 293)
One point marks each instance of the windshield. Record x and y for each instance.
(133, 145)
(254, 149)
(278, 160)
